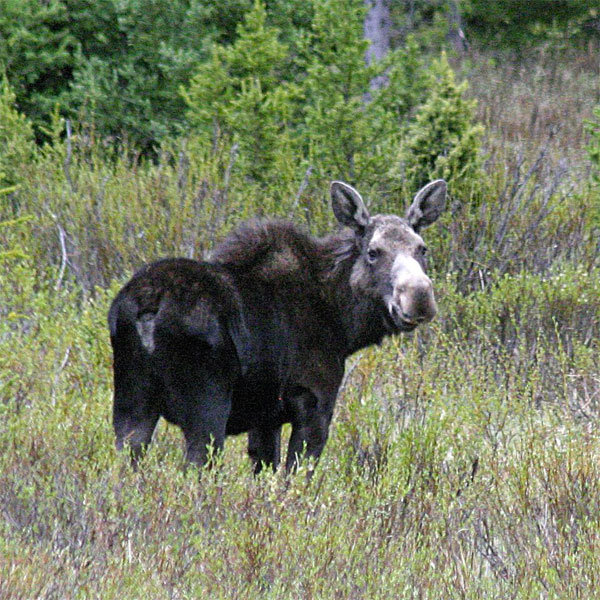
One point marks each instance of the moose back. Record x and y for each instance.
(257, 337)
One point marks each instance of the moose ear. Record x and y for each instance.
(348, 207)
(428, 205)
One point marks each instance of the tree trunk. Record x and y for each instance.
(377, 27)
(455, 32)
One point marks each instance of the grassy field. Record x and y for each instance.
(463, 460)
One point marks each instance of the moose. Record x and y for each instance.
(257, 336)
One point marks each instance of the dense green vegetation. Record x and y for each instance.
(463, 459)
(119, 65)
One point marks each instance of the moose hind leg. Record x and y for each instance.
(136, 392)
(135, 410)
(134, 428)
(200, 381)
(264, 447)
(205, 423)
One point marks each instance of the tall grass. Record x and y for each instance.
(463, 460)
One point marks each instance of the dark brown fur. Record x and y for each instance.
(257, 337)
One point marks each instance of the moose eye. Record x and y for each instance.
(373, 254)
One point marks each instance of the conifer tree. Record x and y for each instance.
(17, 142)
(443, 141)
(240, 93)
(593, 148)
(351, 127)
(337, 120)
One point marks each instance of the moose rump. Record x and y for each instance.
(258, 336)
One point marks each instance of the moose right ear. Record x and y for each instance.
(348, 207)
(428, 205)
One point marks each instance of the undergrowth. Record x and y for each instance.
(463, 460)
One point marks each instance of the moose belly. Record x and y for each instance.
(254, 405)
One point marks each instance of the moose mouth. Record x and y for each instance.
(394, 322)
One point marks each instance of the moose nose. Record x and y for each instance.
(417, 304)
(412, 296)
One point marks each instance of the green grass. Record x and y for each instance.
(456, 468)
(463, 460)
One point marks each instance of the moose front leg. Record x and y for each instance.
(310, 415)
(264, 447)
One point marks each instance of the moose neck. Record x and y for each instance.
(358, 314)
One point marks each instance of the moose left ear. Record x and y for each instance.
(428, 205)
(348, 207)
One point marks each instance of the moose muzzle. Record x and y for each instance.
(412, 301)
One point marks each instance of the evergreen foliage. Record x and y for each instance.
(520, 25)
(129, 85)
(340, 97)
(121, 63)
(281, 105)
(239, 93)
(426, 19)
(593, 147)
(17, 143)
(443, 141)
(37, 44)
(339, 124)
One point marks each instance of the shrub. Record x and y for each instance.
(281, 104)
(126, 81)
(37, 53)
(593, 147)
(443, 141)
(17, 143)
(519, 25)
(239, 94)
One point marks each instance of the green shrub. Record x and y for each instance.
(563, 304)
(443, 141)
(593, 148)
(351, 126)
(281, 104)
(593, 151)
(12, 242)
(37, 53)
(239, 93)
(17, 144)
(516, 25)
(127, 82)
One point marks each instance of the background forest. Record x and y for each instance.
(464, 459)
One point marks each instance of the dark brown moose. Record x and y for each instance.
(257, 336)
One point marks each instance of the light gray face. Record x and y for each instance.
(392, 265)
